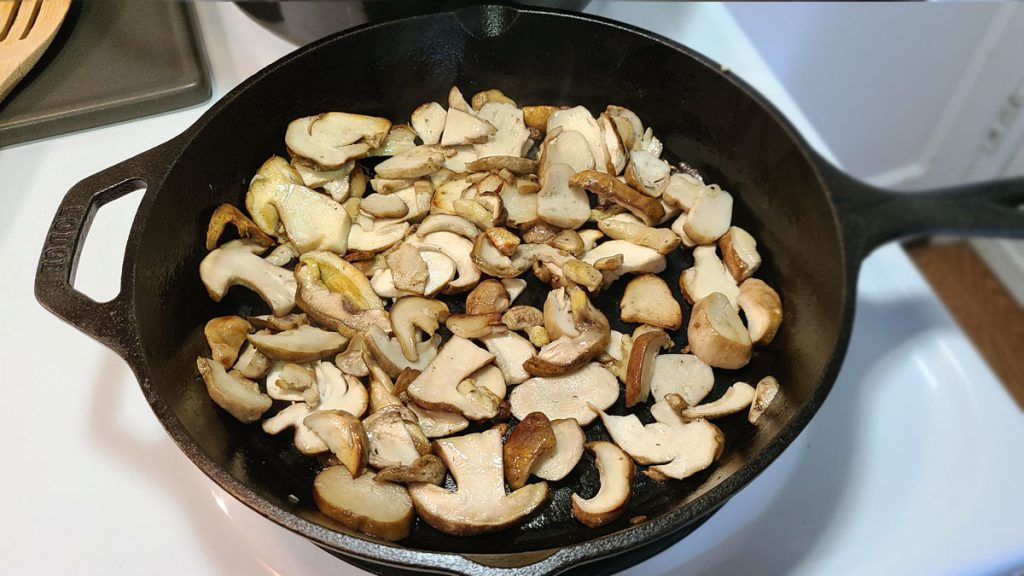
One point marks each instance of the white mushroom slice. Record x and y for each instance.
(616, 473)
(739, 252)
(736, 399)
(337, 183)
(514, 287)
(306, 441)
(615, 349)
(708, 275)
(401, 138)
(558, 320)
(440, 271)
(520, 205)
(480, 504)
(682, 374)
(565, 355)
(512, 137)
(282, 254)
(717, 335)
(766, 391)
(682, 190)
(579, 119)
(560, 461)
(252, 363)
(440, 385)
(649, 143)
(763, 308)
(558, 203)
(567, 396)
(627, 124)
(462, 156)
(233, 392)
(390, 185)
(312, 221)
(350, 361)
(510, 352)
(647, 173)
(281, 383)
(390, 441)
(381, 509)
(490, 377)
(464, 128)
(710, 215)
(613, 144)
(388, 351)
(303, 344)
(344, 436)
(332, 139)
(274, 176)
(411, 313)
(438, 424)
(225, 336)
(447, 223)
(238, 263)
(458, 249)
(381, 235)
(683, 448)
(384, 206)
(565, 147)
(475, 325)
(610, 189)
(408, 269)
(428, 121)
(679, 227)
(456, 100)
(419, 161)
(340, 391)
(590, 238)
(336, 294)
(417, 199)
(648, 300)
(635, 259)
(620, 228)
(671, 211)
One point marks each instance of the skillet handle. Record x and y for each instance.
(872, 216)
(109, 322)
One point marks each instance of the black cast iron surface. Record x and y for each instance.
(813, 225)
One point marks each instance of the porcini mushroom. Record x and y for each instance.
(640, 366)
(567, 354)
(442, 386)
(707, 275)
(736, 399)
(763, 308)
(331, 139)
(709, 217)
(238, 263)
(233, 392)
(302, 344)
(225, 336)
(610, 189)
(739, 252)
(428, 121)
(381, 509)
(616, 472)
(344, 436)
(464, 128)
(558, 462)
(648, 300)
(567, 396)
(529, 440)
(766, 391)
(717, 335)
(682, 374)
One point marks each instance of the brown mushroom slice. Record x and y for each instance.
(252, 363)
(647, 173)
(428, 121)
(707, 275)
(765, 392)
(464, 128)
(660, 239)
(578, 119)
(536, 117)
(514, 164)
(312, 221)
(512, 137)
(427, 469)
(635, 259)
(437, 423)
(480, 504)
(344, 437)
(567, 396)
(679, 227)
(567, 354)
(390, 440)
(440, 270)
(492, 95)
(739, 252)
(447, 223)
(408, 269)
(233, 392)
(505, 241)
(717, 335)
(510, 351)
(458, 249)
(557, 463)
(709, 217)
(529, 440)
(417, 199)
(489, 296)
(682, 374)
(763, 308)
(456, 100)
(583, 274)
(227, 214)
(419, 161)
(389, 354)
(401, 138)
(389, 186)
(737, 398)
(278, 323)
(384, 206)
(336, 294)
(238, 263)
(302, 344)
(491, 378)
(411, 313)
(273, 176)
(590, 238)
(522, 317)
(225, 336)
(475, 325)
(640, 367)
(381, 509)
(330, 140)
(615, 469)
(610, 189)
(440, 385)
(648, 300)
(560, 204)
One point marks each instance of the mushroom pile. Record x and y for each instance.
(390, 257)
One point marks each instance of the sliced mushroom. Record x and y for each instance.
(389, 354)
(440, 271)
(278, 323)
(282, 254)
(488, 296)
(520, 204)
(335, 182)
(640, 367)
(522, 317)
(583, 274)
(707, 275)
(682, 374)
(463, 128)
(739, 251)
(578, 119)
(648, 300)
(290, 381)
(428, 121)
(401, 138)
(456, 100)
(660, 239)
(427, 469)
(763, 308)
(306, 441)
(682, 190)
(273, 176)
(635, 259)
(437, 423)
(480, 504)
(627, 124)
(567, 147)
(512, 137)
(616, 472)
(616, 349)
(225, 336)
(557, 463)
(447, 223)
(303, 344)
(419, 161)
(384, 206)
(490, 260)
(536, 117)
(351, 360)
(375, 235)
(737, 398)
(475, 325)
(766, 391)
(514, 287)
(505, 241)
(440, 385)
(590, 238)
(514, 164)
(252, 363)
(408, 269)
(332, 139)
(558, 318)
(558, 203)
(483, 216)
(529, 440)
(340, 391)
(390, 432)
(681, 448)
(390, 185)
(457, 157)
(344, 437)
(381, 509)
(233, 392)
(492, 95)
(710, 215)
(411, 313)
(613, 144)
(510, 351)
(567, 354)
(227, 214)
(490, 377)
(648, 142)
(567, 396)
(717, 335)
(610, 189)
(647, 173)
(458, 249)
(238, 263)
(336, 294)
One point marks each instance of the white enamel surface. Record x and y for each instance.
(843, 499)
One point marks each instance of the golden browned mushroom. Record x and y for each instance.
(381, 509)
(344, 436)
(648, 300)
(609, 189)
(763, 308)
(640, 366)
(489, 296)
(739, 252)
(529, 440)
(225, 335)
(616, 472)
(717, 335)
(227, 214)
(567, 354)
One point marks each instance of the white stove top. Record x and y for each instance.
(911, 467)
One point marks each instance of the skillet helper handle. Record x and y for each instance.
(109, 322)
(873, 216)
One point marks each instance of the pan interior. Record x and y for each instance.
(700, 114)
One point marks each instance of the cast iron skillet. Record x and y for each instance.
(813, 223)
